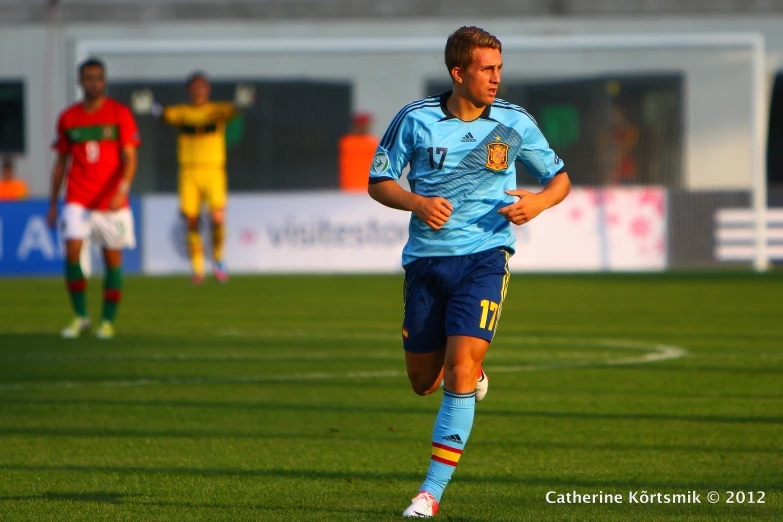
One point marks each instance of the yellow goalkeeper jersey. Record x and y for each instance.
(202, 131)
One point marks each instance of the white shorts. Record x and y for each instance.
(111, 229)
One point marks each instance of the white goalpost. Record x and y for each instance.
(750, 43)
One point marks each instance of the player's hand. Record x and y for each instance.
(51, 216)
(434, 211)
(244, 96)
(523, 210)
(117, 200)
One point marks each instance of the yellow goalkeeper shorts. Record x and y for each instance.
(201, 184)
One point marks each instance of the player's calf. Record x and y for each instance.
(425, 381)
(424, 388)
(425, 370)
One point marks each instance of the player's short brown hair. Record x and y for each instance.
(91, 62)
(196, 75)
(460, 45)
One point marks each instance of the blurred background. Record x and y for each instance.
(664, 112)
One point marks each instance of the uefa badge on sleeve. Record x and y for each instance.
(380, 163)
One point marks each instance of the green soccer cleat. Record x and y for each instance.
(78, 326)
(105, 330)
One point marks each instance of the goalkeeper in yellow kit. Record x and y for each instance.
(201, 152)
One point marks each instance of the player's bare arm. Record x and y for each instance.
(531, 204)
(58, 173)
(128, 173)
(434, 211)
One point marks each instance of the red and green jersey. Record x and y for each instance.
(94, 141)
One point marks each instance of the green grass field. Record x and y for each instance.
(284, 398)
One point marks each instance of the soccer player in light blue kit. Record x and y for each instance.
(461, 146)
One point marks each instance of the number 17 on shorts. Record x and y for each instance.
(459, 295)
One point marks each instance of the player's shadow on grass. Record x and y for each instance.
(425, 409)
(102, 497)
(24, 342)
(344, 436)
(393, 436)
(107, 497)
(160, 341)
(386, 477)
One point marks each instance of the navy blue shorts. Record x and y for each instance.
(458, 295)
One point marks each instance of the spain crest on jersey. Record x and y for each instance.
(497, 155)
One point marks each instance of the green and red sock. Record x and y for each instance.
(112, 292)
(74, 279)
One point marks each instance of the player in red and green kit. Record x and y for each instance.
(99, 136)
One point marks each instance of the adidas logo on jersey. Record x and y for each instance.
(468, 138)
(455, 437)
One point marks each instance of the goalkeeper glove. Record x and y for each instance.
(244, 96)
(143, 102)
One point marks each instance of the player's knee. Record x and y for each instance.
(113, 258)
(73, 252)
(192, 222)
(463, 371)
(217, 217)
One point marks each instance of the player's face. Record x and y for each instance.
(93, 82)
(199, 91)
(481, 78)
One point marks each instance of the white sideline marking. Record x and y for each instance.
(653, 353)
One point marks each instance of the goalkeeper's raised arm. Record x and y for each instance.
(143, 101)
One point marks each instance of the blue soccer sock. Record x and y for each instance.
(449, 436)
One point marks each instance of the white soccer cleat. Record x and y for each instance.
(105, 331)
(78, 326)
(424, 505)
(482, 385)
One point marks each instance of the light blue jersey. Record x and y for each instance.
(471, 164)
